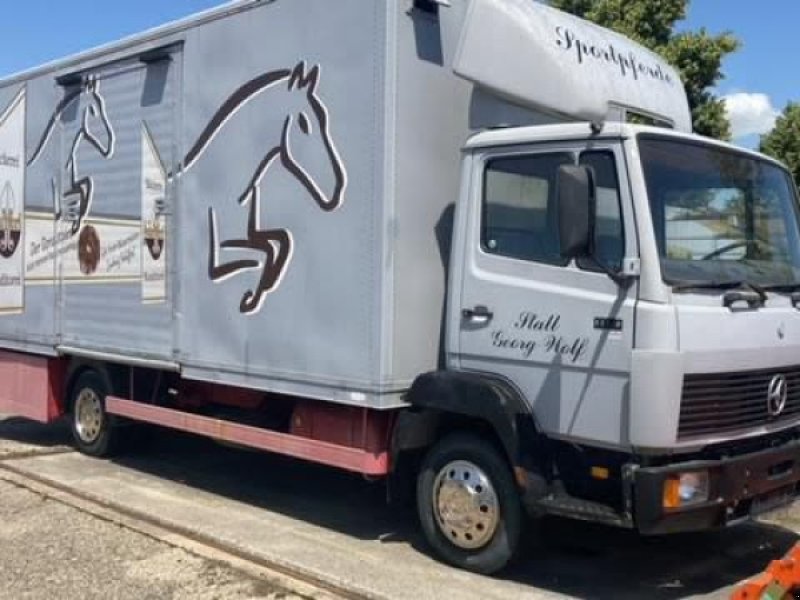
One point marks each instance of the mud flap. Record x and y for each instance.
(30, 386)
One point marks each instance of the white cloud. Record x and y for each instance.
(750, 114)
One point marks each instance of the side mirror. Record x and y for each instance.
(576, 196)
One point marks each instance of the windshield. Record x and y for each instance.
(720, 216)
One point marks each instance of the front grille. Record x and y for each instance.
(724, 402)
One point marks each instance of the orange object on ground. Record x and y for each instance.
(780, 580)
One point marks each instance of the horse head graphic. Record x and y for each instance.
(318, 130)
(305, 131)
(94, 119)
(96, 130)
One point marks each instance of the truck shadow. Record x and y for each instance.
(35, 435)
(591, 561)
(577, 559)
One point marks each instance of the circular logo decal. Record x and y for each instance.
(777, 393)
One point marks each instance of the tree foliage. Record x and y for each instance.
(698, 55)
(783, 142)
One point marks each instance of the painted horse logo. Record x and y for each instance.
(95, 129)
(310, 119)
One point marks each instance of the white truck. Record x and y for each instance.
(419, 240)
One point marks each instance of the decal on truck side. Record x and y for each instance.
(154, 222)
(89, 248)
(276, 245)
(106, 251)
(539, 336)
(85, 248)
(12, 194)
(80, 192)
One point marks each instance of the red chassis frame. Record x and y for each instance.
(353, 439)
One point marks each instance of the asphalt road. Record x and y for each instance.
(337, 527)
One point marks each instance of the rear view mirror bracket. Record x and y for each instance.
(624, 276)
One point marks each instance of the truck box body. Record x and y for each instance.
(348, 281)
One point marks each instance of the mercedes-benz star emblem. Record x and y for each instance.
(777, 394)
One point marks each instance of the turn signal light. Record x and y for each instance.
(685, 489)
(672, 497)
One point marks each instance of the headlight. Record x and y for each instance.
(685, 489)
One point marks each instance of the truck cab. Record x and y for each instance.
(624, 297)
(686, 266)
(634, 293)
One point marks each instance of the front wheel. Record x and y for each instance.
(468, 504)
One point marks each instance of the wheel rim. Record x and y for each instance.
(88, 415)
(465, 505)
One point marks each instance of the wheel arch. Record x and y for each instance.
(113, 376)
(444, 402)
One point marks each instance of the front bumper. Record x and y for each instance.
(740, 487)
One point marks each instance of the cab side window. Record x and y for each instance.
(609, 242)
(520, 218)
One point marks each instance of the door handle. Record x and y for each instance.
(480, 315)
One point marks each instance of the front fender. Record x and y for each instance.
(489, 399)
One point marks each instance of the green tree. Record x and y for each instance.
(698, 55)
(783, 142)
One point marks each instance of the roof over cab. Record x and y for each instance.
(548, 60)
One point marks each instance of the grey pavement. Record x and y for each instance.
(51, 550)
(336, 527)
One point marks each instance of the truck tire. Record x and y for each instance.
(468, 504)
(92, 427)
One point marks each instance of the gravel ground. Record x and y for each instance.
(50, 550)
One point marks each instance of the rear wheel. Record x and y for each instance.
(468, 504)
(92, 427)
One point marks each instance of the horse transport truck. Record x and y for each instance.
(469, 247)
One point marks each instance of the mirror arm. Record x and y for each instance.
(617, 277)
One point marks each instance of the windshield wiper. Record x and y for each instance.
(760, 291)
(680, 286)
(790, 289)
(783, 288)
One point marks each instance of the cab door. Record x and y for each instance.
(560, 331)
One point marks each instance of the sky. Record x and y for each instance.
(760, 77)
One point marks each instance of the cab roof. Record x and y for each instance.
(539, 134)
